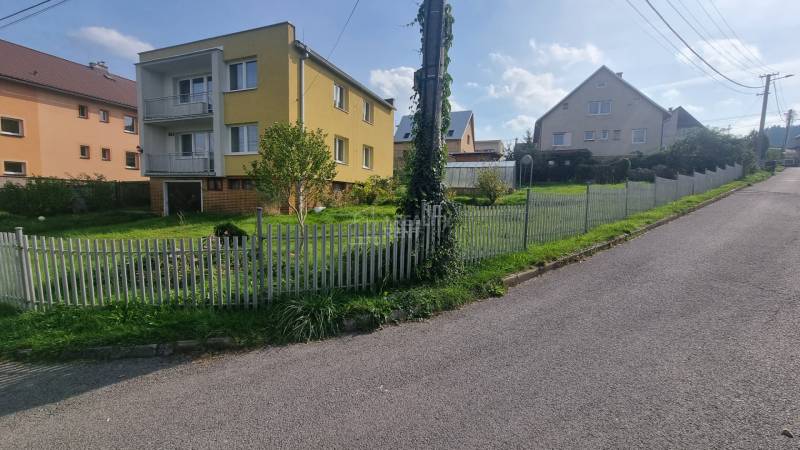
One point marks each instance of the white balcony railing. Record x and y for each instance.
(178, 106)
(179, 163)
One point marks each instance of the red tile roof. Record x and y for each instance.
(31, 66)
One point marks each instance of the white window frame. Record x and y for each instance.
(369, 112)
(245, 79)
(135, 159)
(644, 136)
(599, 104)
(85, 108)
(367, 163)
(192, 96)
(135, 125)
(104, 115)
(336, 141)
(209, 142)
(563, 136)
(588, 136)
(603, 135)
(102, 157)
(339, 98)
(245, 143)
(24, 168)
(21, 127)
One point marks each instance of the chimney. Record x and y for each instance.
(619, 74)
(99, 65)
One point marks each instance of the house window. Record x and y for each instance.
(368, 112)
(195, 90)
(597, 108)
(560, 139)
(340, 97)
(601, 84)
(248, 185)
(407, 135)
(13, 168)
(105, 154)
(617, 135)
(469, 139)
(103, 116)
(603, 135)
(214, 184)
(588, 135)
(244, 138)
(130, 124)
(85, 154)
(234, 184)
(367, 157)
(11, 127)
(450, 133)
(243, 75)
(83, 111)
(639, 135)
(340, 150)
(131, 160)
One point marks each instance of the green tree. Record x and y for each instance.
(293, 165)
(706, 149)
(491, 185)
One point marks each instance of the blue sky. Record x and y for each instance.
(512, 59)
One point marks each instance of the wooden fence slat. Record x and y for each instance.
(107, 270)
(160, 253)
(236, 273)
(269, 263)
(227, 245)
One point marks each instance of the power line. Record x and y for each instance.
(25, 9)
(697, 66)
(721, 50)
(694, 51)
(336, 43)
(738, 39)
(33, 14)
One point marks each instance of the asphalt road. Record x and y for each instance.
(685, 337)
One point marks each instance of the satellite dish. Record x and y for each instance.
(526, 160)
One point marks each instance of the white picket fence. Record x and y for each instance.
(249, 271)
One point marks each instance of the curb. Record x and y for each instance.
(525, 275)
(144, 351)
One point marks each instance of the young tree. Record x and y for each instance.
(293, 165)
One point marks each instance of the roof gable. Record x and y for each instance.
(624, 82)
(30, 66)
(459, 121)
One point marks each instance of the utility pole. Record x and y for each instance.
(789, 119)
(430, 77)
(762, 152)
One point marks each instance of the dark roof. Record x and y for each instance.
(33, 67)
(685, 120)
(459, 121)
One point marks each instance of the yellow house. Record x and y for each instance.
(204, 104)
(62, 119)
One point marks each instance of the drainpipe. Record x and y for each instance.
(302, 96)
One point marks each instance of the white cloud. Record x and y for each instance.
(727, 55)
(520, 123)
(671, 94)
(694, 109)
(501, 58)
(528, 91)
(398, 83)
(454, 105)
(565, 55)
(472, 84)
(113, 41)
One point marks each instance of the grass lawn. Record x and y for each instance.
(50, 333)
(133, 224)
(518, 196)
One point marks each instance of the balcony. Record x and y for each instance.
(181, 106)
(179, 164)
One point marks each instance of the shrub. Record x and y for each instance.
(307, 318)
(39, 196)
(491, 185)
(642, 174)
(228, 229)
(368, 313)
(374, 190)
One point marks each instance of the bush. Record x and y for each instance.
(491, 185)
(642, 174)
(228, 229)
(39, 196)
(374, 190)
(368, 313)
(307, 318)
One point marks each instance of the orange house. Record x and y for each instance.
(62, 119)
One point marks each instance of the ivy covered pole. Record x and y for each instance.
(432, 118)
(425, 168)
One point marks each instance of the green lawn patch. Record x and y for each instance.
(518, 196)
(144, 225)
(55, 331)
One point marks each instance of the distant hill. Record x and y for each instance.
(776, 135)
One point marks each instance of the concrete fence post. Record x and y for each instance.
(24, 267)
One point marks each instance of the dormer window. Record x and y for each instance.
(450, 133)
